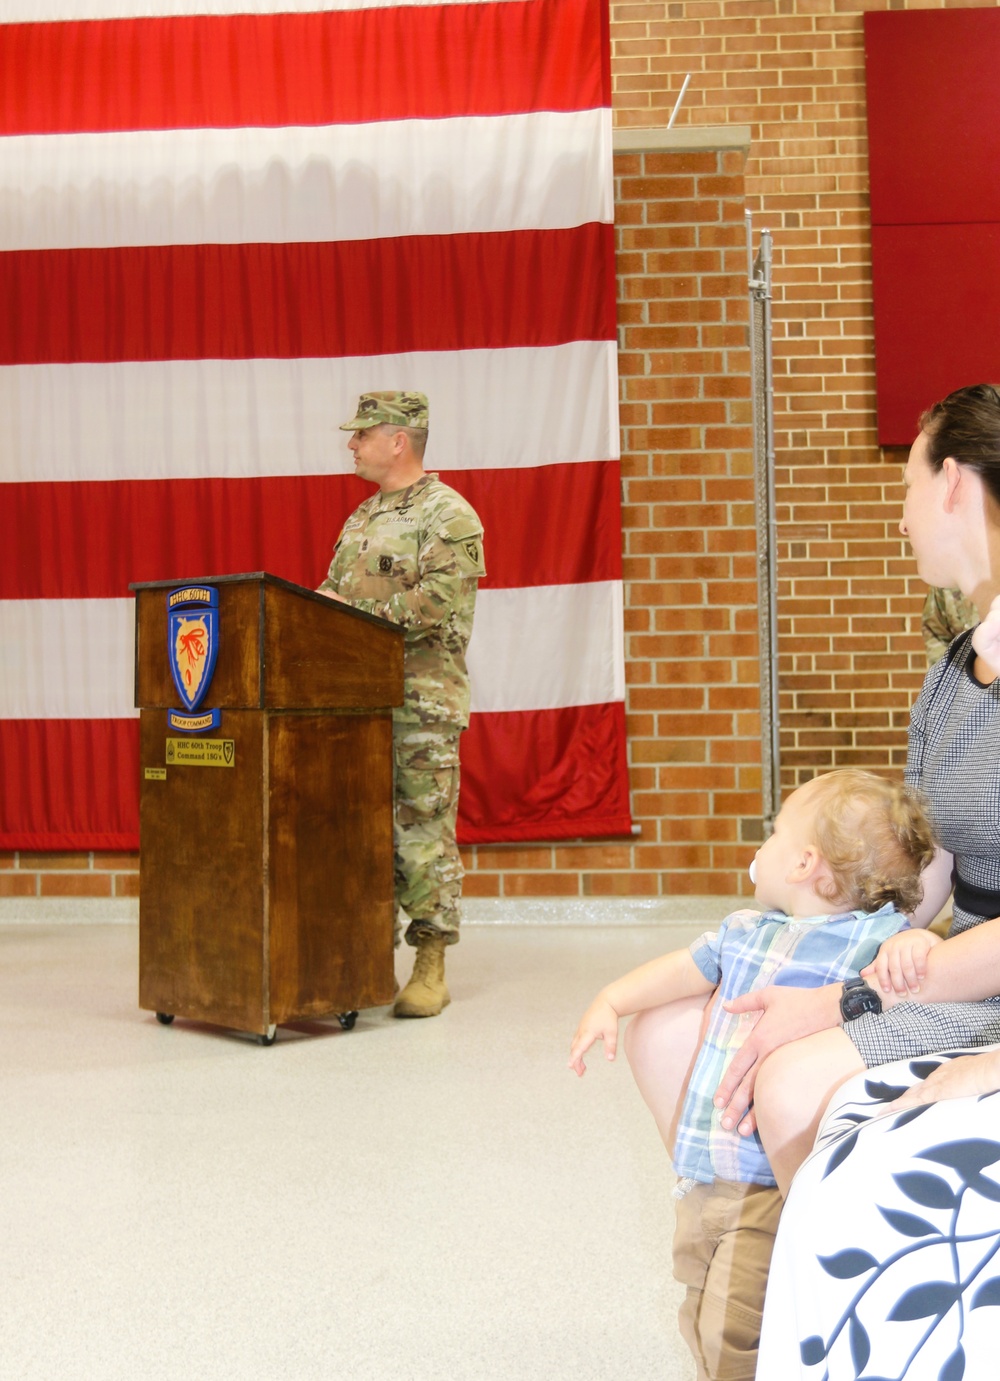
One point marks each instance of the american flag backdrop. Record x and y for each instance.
(217, 228)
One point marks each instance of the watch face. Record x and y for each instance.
(858, 999)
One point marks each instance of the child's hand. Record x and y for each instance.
(986, 638)
(901, 964)
(600, 1022)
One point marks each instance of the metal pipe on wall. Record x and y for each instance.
(762, 392)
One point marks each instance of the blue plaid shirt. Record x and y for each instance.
(751, 951)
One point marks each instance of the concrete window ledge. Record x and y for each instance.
(689, 138)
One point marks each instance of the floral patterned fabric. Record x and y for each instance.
(887, 1259)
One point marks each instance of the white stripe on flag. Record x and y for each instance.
(236, 419)
(547, 647)
(305, 183)
(74, 659)
(67, 658)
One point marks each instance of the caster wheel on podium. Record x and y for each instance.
(347, 1020)
(268, 1037)
(164, 1018)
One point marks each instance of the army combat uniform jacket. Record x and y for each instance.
(415, 557)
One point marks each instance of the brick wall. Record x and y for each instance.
(851, 658)
(849, 598)
(69, 875)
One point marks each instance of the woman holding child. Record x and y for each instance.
(894, 1218)
(912, 1294)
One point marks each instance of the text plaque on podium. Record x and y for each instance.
(265, 866)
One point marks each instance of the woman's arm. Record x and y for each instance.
(936, 880)
(901, 963)
(965, 968)
(662, 980)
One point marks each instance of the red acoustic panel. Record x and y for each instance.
(934, 152)
(937, 317)
(933, 83)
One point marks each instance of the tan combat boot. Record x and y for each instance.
(426, 994)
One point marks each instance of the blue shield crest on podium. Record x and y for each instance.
(193, 642)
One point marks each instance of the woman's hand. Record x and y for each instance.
(600, 1022)
(986, 638)
(787, 1014)
(969, 1076)
(901, 963)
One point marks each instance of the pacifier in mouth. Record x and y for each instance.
(753, 870)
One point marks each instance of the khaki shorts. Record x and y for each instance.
(722, 1252)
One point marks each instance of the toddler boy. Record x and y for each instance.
(836, 879)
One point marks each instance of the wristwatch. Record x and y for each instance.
(858, 999)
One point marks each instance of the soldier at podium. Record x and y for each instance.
(413, 554)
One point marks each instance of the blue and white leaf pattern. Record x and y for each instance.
(988, 1293)
(937, 1257)
(907, 1223)
(847, 1264)
(967, 1157)
(954, 1368)
(861, 1348)
(927, 1301)
(929, 1190)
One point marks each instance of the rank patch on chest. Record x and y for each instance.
(385, 564)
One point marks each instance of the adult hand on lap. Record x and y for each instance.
(969, 1076)
(786, 1014)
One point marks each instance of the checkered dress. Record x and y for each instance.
(954, 758)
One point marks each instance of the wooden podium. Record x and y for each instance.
(266, 873)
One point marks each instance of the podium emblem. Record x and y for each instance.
(193, 641)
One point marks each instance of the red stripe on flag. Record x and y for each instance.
(544, 774)
(351, 297)
(69, 784)
(228, 71)
(538, 774)
(560, 524)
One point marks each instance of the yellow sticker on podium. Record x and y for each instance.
(155, 774)
(201, 752)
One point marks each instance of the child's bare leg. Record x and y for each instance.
(661, 1045)
(792, 1091)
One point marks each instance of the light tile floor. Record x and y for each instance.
(412, 1200)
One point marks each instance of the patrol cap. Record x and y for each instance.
(397, 409)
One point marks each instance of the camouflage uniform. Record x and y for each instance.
(415, 557)
(946, 614)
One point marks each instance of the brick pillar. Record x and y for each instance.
(690, 541)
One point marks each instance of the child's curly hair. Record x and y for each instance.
(876, 838)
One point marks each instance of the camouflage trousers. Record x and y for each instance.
(428, 867)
